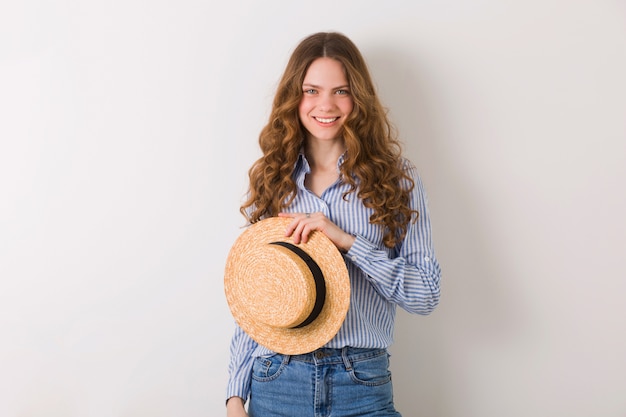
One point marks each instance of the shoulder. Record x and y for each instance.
(406, 164)
(408, 168)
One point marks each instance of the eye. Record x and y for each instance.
(342, 92)
(310, 91)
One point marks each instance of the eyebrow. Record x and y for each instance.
(341, 87)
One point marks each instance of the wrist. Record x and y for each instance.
(234, 402)
(347, 243)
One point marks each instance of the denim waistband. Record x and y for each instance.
(329, 356)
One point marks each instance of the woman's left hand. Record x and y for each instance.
(303, 224)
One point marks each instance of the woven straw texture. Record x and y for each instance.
(269, 289)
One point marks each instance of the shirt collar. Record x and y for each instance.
(302, 168)
(302, 161)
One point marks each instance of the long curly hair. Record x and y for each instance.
(373, 165)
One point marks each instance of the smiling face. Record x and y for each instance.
(326, 101)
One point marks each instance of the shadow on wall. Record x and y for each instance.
(432, 355)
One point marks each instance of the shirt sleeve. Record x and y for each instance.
(240, 365)
(411, 278)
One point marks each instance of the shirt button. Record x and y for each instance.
(426, 258)
(353, 258)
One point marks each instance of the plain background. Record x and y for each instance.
(127, 128)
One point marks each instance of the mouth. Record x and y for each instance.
(326, 120)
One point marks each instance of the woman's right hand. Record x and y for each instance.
(234, 407)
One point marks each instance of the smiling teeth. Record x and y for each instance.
(319, 119)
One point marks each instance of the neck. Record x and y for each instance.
(323, 155)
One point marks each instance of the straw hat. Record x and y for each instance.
(290, 298)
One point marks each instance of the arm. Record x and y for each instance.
(411, 278)
(408, 275)
(239, 370)
(235, 408)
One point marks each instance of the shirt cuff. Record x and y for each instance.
(233, 391)
(359, 250)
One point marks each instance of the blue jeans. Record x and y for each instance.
(344, 382)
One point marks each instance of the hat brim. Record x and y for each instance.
(290, 341)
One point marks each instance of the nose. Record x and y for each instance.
(327, 102)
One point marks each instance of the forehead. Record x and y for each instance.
(326, 71)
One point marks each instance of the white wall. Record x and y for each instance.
(126, 130)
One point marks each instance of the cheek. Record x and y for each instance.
(303, 106)
(348, 106)
(303, 109)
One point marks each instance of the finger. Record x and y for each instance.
(296, 233)
(296, 216)
(304, 228)
(292, 225)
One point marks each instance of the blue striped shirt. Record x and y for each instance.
(380, 278)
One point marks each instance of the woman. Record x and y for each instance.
(332, 163)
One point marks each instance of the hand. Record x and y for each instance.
(303, 224)
(234, 407)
